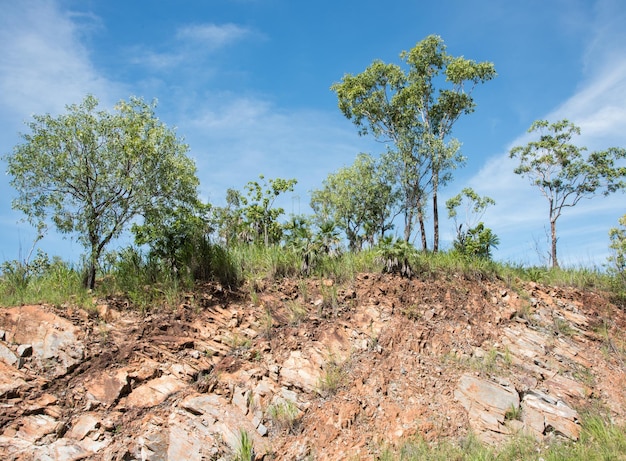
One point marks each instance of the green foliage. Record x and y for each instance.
(477, 240)
(599, 440)
(245, 447)
(284, 415)
(395, 256)
(361, 199)
(617, 259)
(91, 172)
(332, 378)
(311, 247)
(561, 172)
(43, 281)
(415, 110)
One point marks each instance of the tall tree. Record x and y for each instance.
(561, 171)
(415, 111)
(92, 172)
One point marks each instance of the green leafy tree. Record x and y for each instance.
(229, 220)
(617, 259)
(360, 199)
(415, 111)
(177, 237)
(475, 239)
(260, 212)
(91, 172)
(562, 173)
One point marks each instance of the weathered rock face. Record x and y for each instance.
(388, 359)
(55, 342)
(487, 404)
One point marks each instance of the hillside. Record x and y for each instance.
(310, 369)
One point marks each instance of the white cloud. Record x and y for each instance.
(520, 216)
(44, 66)
(212, 36)
(235, 138)
(190, 44)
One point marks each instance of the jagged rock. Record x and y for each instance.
(55, 341)
(208, 418)
(35, 427)
(301, 371)
(486, 403)
(542, 413)
(83, 425)
(107, 388)
(7, 355)
(24, 350)
(153, 392)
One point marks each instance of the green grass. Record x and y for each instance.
(284, 415)
(59, 284)
(599, 440)
(148, 283)
(245, 447)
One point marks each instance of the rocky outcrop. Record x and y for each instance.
(387, 359)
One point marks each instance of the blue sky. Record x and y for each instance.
(246, 83)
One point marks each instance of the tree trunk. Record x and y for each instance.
(420, 213)
(408, 223)
(435, 217)
(555, 263)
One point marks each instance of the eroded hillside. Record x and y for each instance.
(309, 369)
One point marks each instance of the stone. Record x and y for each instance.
(55, 341)
(486, 402)
(8, 356)
(154, 392)
(11, 380)
(83, 425)
(542, 413)
(24, 350)
(107, 388)
(35, 427)
(240, 399)
(209, 416)
(300, 371)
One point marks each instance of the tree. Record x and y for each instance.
(360, 199)
(475, 239)
(177, 237)
(561, 172)
(93, 172)
(617, 259)
(415, 111)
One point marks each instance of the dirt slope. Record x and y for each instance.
(309, 369)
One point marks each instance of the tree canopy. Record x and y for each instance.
(361, 199)
(414, 111)
(91, 173)
(561, 171)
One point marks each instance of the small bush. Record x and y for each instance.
(284, 415)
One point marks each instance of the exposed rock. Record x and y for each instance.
(55, 341)
(7, 355)
(302, 371)
(174, 384)
(487, 404)
(542, 413)
(83, 425)
(153, 392)
(11, 380)
(106, 388)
